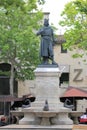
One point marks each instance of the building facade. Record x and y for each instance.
(74, 71)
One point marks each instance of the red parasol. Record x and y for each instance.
(73, 92)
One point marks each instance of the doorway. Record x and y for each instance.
(4, 85)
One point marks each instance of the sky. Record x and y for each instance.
(55, 7)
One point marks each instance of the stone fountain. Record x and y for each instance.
(47, 109)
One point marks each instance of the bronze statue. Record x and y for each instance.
(47, 43)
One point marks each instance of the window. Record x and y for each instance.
(62, 49)
(64, 78)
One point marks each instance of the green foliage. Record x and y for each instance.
(18, 42)
(77, 55)
(75, 20)
(41, 1)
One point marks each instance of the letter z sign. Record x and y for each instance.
(78, 73)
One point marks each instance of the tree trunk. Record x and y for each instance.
(12, 80)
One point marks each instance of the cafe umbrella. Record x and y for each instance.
(7, 99)
(73, 94)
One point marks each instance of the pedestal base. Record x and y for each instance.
(61, 119)
(47, 88)
(46, 118)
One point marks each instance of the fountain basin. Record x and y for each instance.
(45, 118)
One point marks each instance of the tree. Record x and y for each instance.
(18, 42)
(75, 20)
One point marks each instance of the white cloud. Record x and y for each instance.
(55, 7)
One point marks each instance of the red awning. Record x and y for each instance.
(74, 92)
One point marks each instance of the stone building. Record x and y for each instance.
(74, 72)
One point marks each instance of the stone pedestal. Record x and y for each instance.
(47, 89)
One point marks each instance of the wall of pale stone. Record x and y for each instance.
(26, 87)
(77, 70)
(81, 105)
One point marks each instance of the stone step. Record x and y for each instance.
(34, 127)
